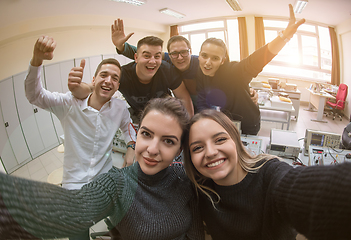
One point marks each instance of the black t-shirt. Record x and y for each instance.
(138, 94)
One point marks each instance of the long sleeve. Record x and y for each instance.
(127, 128)
(58, 103)
(42, 210)
(317, 201)
(129, 51)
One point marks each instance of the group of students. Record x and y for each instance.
(221, 187)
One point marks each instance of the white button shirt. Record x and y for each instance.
(88, 132)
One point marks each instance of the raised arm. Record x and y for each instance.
(119, 39)
(43, 50)
(118, 36)
(279, 42)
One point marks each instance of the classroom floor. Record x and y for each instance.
(40, 168)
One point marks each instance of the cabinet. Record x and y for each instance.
(36, 123)
(13, 129)
(56, 78)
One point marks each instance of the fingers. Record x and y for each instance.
(75, 76)
(82, 63)
(46, 44)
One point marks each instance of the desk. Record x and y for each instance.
(276, 114)
(317, 100)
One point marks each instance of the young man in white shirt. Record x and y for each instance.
(89, 124)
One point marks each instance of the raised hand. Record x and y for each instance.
(43, 50)
(75, 76)
(117, 34)
(291, 29)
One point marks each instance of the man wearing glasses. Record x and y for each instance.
(179, 56)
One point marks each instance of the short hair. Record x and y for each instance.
(150, 40)
(218, 42)
(107, 61)
(178, 38)
(171, 106)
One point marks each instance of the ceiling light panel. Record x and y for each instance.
(172, 13)
(234, 4)
(133, 2)
(300, 5)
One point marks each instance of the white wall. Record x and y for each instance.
(344, 34)
(76, 36)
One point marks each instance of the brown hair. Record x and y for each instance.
(177, 38)
(107, 61)
(169, 106)
(218, 42)
(150, 40)
(245, 159)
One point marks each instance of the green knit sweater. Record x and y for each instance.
(161, 206)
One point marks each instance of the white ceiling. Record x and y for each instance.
(329, 12)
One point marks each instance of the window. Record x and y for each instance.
(307, 55)
(226, 29)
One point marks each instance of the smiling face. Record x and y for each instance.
(158, 142)
(106, 82)
(180, 62)
(148, 59)
(213, 152)
(211, 57)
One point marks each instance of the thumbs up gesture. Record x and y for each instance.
(43, 50)
(75, 76)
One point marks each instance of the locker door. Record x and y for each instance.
(26, 117)
(10, 116)
(65, 68)
(6, 153)
(53, 83)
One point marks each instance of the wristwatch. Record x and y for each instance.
(131, 146)
(280, 34)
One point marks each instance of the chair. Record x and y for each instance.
(337, 105)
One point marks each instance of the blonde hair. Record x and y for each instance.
(245, 159)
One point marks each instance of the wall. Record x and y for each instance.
(76, 36)
(344, 34)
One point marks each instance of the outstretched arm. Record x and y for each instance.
(279, 42)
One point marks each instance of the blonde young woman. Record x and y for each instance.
(152, 199)
(259, 197)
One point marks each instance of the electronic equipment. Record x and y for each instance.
(328, 156)
(252, 143)
(284, 143)
(237, 125)
(321, 139)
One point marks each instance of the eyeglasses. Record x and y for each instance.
(183, 53)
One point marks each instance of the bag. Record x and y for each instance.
(346, 137)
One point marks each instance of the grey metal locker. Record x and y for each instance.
(13, 127)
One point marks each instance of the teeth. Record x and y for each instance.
(215, 163)
(106, 88)
(150, 67)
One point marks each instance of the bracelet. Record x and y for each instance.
(280, 34)
(131, 146)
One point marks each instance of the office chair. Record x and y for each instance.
(337, 105)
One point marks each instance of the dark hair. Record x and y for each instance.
(107, 61)
(169, 106)
(218, 42)
(246, 161)
(150, 40)
(178, 38)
